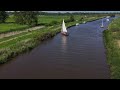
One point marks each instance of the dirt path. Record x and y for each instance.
(36, 28)
(14, 38)
(18, 32)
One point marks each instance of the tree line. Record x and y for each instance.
(3, 16)
(21, 17)
(31, 17)
(26, 17)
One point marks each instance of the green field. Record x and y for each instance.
(49, 19)
(10, 19)
(45, 19)
(10, 25)
(7, 27)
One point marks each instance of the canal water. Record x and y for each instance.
(81, 55)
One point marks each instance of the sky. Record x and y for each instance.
(80, 11)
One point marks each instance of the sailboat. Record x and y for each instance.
(107, 20)
(102, 26)
(84, 22)
(64, 30)
(77, 24)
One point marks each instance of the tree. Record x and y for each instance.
(3, 16)
(26, 17)
(72, 18)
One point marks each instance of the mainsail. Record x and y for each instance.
(102, 23)
(63, 27)
(107, 19)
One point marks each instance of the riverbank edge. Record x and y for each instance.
(23, 47)
(86, 22)
(109, 44)
(112, 53)
(112, 46)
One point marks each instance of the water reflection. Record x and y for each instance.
(64, 43)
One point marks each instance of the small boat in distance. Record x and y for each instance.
(84, 22)
(102, 26)
(107, 20)
(77, 24)
(64, 30)
(108, 17)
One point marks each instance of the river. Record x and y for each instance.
(81, 55)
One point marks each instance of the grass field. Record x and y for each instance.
(49, 19)
(112, 43)
(7, 27)
(45, 19)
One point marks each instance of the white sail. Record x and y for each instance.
(64, 27)
(107, 19)
(102, 23)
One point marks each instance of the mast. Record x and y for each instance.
(102, 23)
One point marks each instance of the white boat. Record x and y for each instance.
(107, 20)
(84, 22)
(102, 24)
(77, 24)
(64, 30)
(108, 17)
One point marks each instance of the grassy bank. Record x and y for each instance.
(112, 44)
(14, 45)
(26, 42)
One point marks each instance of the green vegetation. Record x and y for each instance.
(112, 43)
(53, 19)
(10, 24)
(10, 19)
(47, 20)
(26, 17)
(9, 27)
(25, 42)
(115, 26)
(3, 16)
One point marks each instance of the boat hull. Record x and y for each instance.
(64, 33)
(102, 26)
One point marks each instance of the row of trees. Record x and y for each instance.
(26, 17)
(21, 17)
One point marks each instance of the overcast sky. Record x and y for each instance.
(80, 11)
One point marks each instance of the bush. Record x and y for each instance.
(3, 16)
(26, 17)
(54, 22)
(72, 18)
